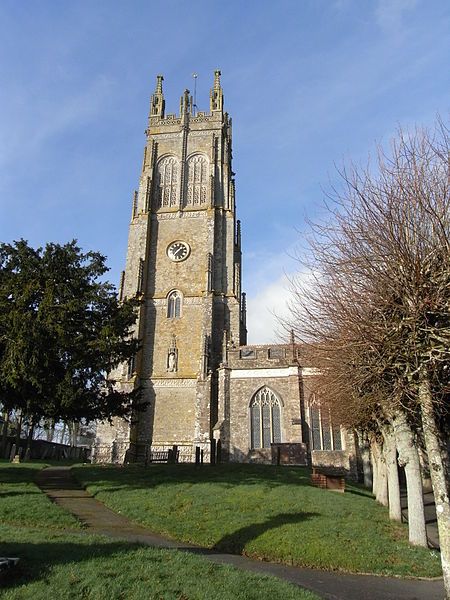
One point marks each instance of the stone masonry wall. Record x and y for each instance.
(182, 400)
(241, 394)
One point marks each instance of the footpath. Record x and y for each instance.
(60, 486)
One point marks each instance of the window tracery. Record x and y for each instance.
(325, 433)
(174, 302)
(265, 419)
(167, 182)
(197, 180)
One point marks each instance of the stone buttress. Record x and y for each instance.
(184, 263)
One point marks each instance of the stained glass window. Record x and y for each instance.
(255, 412)
(337, 440)
(265, 419)
(315, 428)
(325, 434)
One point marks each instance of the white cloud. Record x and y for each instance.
(270, 301)
(268, 280)
(264, 311)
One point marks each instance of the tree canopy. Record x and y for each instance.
(62, 332)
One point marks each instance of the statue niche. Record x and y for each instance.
(172, 356)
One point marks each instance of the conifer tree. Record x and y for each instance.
(62, 331)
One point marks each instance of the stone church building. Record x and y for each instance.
(205, 387)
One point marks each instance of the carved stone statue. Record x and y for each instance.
(172, 356)
(172, 362)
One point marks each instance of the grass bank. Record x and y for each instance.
(264, 512)
(59, 560)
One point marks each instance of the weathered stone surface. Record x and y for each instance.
(186, 193)
(198, 378)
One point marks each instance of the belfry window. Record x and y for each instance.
(197, 180)
(265, 419)
(167, 182)
(174, 300)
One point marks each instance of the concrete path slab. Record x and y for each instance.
(58, 484)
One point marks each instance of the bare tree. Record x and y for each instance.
(377, 313)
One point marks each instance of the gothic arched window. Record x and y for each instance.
(166, 182)
(197, 180)
(174, 300)
(325, 433)
(265, 419)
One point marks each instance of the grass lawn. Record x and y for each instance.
(59, 560)
(264, 512)
(22, 504)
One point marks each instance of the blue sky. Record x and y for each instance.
(308, 83)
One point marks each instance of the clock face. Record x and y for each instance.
(178, 251)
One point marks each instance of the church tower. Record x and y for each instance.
(184, 263)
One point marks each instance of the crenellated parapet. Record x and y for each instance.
(215, 118)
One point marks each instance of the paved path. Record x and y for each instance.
(59, 485)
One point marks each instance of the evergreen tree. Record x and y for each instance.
(62, 331)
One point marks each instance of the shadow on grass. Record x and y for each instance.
(356, 492)
(235, 542)
(111, 478)
(37, 559)
(16, 474)
(20, 494)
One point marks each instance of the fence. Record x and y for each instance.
(41, 450)
(180, 453)
(122, 453)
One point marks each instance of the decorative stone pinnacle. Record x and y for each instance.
(157, 102)
(216, 94)
(185, 103)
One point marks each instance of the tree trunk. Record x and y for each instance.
(51, 431)
(390, 453)
(374, 453)
(30, 436)
(365, 459)
(4, 433)
(408, 457)
(47, 425)
(75, 430)
(382, 486)
(438, 476)
(63, 433)
(70, 426)
(19, 420)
